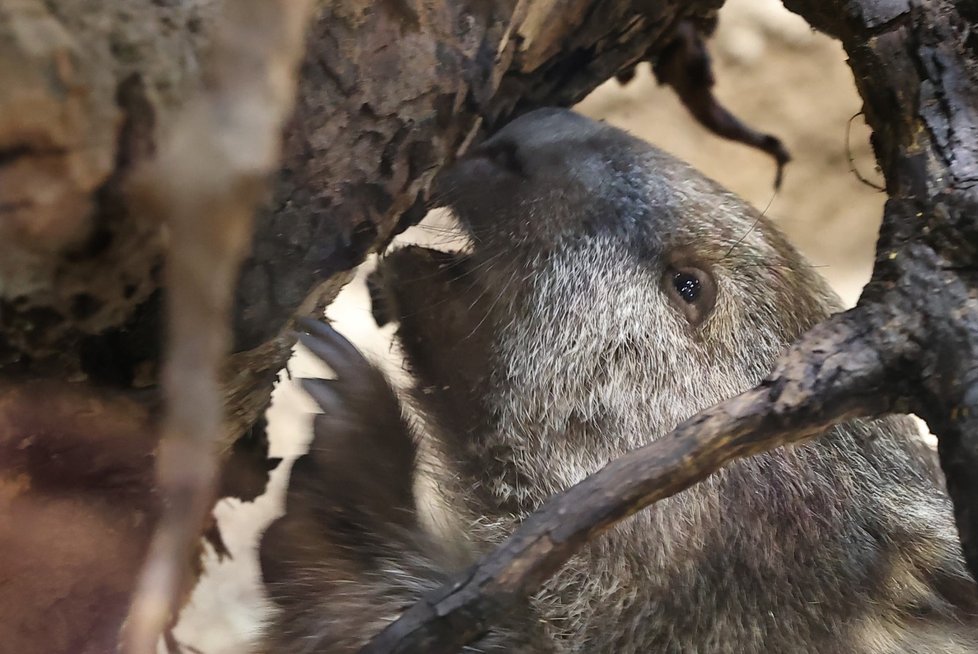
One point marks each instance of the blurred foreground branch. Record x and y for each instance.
(206, 185)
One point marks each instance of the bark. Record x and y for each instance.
(910, 345)
(389, 92)
(916, 67)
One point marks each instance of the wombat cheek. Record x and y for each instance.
(426, 283)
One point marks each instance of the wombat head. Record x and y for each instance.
(609, 287)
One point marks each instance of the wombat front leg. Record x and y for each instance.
(350, 554)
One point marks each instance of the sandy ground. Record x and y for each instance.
(774, 72)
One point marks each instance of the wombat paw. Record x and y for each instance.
(362, 457)
(359, 399)
(353, 491)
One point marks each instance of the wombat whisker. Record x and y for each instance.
(769, 265)
(452, 228)
(753, 226)
(509, 282)
(487, 264)
(443, 237)
(483, 289)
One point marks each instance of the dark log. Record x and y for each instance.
(916, 67)
(910, 345)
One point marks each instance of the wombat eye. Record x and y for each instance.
(692, 290)
(687, 285)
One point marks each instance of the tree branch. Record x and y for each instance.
(206, 185)
(917, 70)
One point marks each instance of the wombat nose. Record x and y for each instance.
(544, 125)
(511, 148)
(515, 148)
(537, 144)
(503, 153)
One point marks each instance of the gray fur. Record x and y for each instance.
(552, 348)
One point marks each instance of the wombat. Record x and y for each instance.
(610, 292)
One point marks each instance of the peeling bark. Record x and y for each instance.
(685, 65)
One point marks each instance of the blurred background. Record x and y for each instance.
(774, 73)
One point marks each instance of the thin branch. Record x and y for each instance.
(685, 65)
(836, 372)
(206, 185)
(852, 160)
